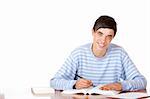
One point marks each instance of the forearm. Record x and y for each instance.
(136, 84)
(62, 84)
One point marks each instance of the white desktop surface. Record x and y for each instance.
(21, 93)
(25, 93)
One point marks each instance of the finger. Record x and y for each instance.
(84, 85)
(81, 86)
(106, 87)
(87, 82)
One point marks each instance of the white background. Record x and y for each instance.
(36, 36)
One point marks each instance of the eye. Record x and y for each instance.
(109, 36)
(100, 33)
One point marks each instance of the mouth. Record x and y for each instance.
(100, 45)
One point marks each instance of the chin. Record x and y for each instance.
(101, 48)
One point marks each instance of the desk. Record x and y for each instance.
(58, 95)
(1, 96)
(25, 93)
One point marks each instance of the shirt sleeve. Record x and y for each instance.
(133, 80)
(64, 78)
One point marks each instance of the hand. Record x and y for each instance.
(83, 83)
(112, 86)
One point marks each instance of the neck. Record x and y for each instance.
(98, 53)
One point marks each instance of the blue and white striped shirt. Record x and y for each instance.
(115, 66)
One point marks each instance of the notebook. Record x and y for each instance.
(42, 90)
(91, 91)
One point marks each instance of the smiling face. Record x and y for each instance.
(101, 40)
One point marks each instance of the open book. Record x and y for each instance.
(91, 91)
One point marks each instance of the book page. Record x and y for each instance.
(91, 90)
(76, 91)
(96, 90)
(133, 95)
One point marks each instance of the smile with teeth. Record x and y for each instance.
(100, 45)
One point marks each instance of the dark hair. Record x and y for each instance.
(105, 22)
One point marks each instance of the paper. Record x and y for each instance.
(96, 90)
(42, 90)
(132, 95)
(91, 90)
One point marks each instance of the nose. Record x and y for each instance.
(103, 39)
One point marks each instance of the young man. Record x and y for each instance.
(100, 62)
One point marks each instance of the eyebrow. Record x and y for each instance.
(100, 32)
(103, 33)
(109, 35)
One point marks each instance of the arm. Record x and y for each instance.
(133, 80)
(64, 78)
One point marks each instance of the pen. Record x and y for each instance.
(79, 76)
(83, 78)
